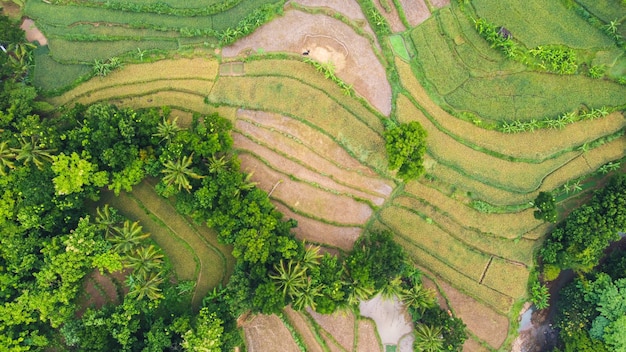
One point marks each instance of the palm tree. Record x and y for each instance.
(217, 164)
(393, 289)
(106, 220)
(167, 130)
(359, 292)
(145, 260)
(245, 185)
(5, 158)
(306, 297)
(179, 172)
(128, 237)
(140, 287)
(311, 257)
(419, 298)
(291, 278)
(31, 151)
(428, 339)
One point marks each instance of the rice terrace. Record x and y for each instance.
(304, 175)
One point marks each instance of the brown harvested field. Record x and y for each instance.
(304, 329)
(196, 68)
(316, 141)
(509, 225)
(328, 39)
(306, 199)
(289, 96)
(416, 11)
(431, 238)
(268, 333)
(472, 345)
(97, 291)
(515, 176)
(485, 323)
(191, 86)
(340, 325)
(331, 343)
(508, 278)
(539, 232)
(305, 173)
(306, 73)
(288, 154)
(545, 142)
(319, 232)
(366, 337)
(486, 243)
(499, 302)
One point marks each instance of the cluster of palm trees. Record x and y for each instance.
(29, 151)
(145, 260)
(560, 122)
(103, 67)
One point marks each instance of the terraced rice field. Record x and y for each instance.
(320, 154)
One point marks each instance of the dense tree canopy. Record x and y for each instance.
(406, 146)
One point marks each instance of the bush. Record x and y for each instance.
(550, 272)
(406, 146)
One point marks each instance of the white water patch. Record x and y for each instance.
(392, 320)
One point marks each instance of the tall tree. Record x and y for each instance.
(179, 172)
(428, 339)
(128, 237)
(406, 146)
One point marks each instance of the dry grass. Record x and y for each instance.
(268, 333)
(366, 337)
(306, 73)
(304, 329)
(489, 244)
(510, 225)
(431, 238)
(305, 199)
(174, 99)
(482, 321)
(191, 86)
(499, 302)
(293, 158)
(197, 68)
(340, 325)
(542, 144)
(513, 176)
(506, 277)
(288, 96)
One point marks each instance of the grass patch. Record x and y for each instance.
(86, 52)
(398, 46)
(552, 23)
(438, 61)
(49, 75)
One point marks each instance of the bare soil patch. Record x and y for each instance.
(367, 341)
(416, 11)
(327, 39)
(340, 325)
(481, 320)
(391, 317)
(304, 198)
(10, 9)
(33, 34)
(303, 328)
(268, 333)
(472, 345)
(319, 232)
